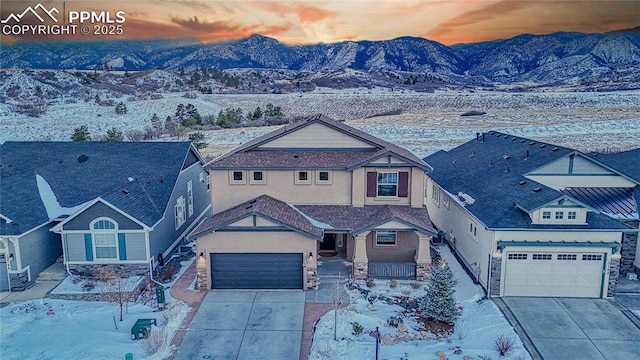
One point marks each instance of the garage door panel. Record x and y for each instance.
(566, 274)
(256, 271)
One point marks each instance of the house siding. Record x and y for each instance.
(136, 248)
(404, 251)
(38, 250)
(83, 220)
(164, 233)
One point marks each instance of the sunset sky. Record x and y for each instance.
(301, 22)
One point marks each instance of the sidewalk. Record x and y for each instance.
(180, 290)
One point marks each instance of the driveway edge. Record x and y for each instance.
(526, 340)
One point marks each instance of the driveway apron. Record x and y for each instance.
(563, 328)
(243, 325)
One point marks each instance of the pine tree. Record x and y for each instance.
(439, 303)
(157, 126)
(114, 135)
(198, 140)
(81, 134)
(121, 108)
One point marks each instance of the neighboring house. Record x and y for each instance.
(523, 218)
(98, 203)
(313, 187)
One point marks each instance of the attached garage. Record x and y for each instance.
(256, 270)
(555, 274)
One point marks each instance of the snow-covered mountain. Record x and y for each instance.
(559, 59)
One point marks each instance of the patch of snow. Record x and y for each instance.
(50, 200)
(73, 285)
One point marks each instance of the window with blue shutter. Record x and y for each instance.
(122, 246)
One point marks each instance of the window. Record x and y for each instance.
(546, 215)
(323, 176)
(572, 215)
(541, 256)
(303, 176)
(179, 210)
(559, 215)
(435, 194)
(190, 197)
(567, 257)
(257, 176)
(387, 184)
(591, 257)
(104, 239)
(445, 201)
(515, 256)
(208, 182)
(473, 229)
(202, 176)
(237, 176)
(386, 238)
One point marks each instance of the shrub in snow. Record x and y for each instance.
(415, 285)
(393, 283)
(439, 303)
(503, 344)
(371, 282)
(105, 274)
(461, 330)
(394, 321)
(357, 328)
(169, 314)
(155, 340)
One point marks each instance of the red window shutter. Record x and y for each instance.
(372, 184)
(403, 184)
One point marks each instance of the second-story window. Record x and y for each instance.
(559, 215)
(303, 176)
(387, 184)
(572, 215)
(546, 215)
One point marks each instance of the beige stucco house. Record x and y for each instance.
(528, 218)
(312, 188)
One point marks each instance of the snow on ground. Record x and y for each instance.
(480, 324)
(74, 285)
(83, 329)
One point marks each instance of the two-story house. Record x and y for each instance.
(126, 204)
(528, 218)
(313, 187)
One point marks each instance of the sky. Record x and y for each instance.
(305, 22)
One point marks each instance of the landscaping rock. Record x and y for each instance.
(441, 356)
(371, 307)
(386, 339)
(402, 328)
(458, 351)
(467, 357)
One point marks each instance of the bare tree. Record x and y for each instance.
(117, 293)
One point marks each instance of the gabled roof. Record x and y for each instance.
(626, 162)
(250, 156)
(264, 206)
(493, 173)
(136, 177)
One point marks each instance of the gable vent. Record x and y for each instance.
(538, 189)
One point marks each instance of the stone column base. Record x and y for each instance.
(360, 270)
(201, 275)
(423, 272)
(312, 279)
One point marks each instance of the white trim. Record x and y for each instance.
(105, 261)
(397, 184)
(190, 198)
(58, 228)
(85, 231)
(375, 238)
(8, 221)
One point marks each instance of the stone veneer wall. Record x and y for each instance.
(628, 252)
(496, 273)
(312, 279)
(360, 270)
(614, 272)
(123, 270)
(201, 275)
(99, 296)
(423, 272)
(20, 281)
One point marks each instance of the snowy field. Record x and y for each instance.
(421, 122)
(477, 328)
(50, 329)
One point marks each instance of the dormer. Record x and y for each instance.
(563, 211)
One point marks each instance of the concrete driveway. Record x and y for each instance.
(242, 325)
(576, 328)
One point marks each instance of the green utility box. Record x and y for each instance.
(141, 328)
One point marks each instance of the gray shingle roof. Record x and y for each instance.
(492, 172)
(79, 172)
(245, 156)
(626, 162)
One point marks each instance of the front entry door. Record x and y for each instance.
(328, 243)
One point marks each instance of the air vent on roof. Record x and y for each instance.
(82, 158)
(491, 132)
(253, 201)
(532, 143)
(522, 182)
(527, 157)
(506, 157)
(543, 146)
(555, 149)
(507, 169)
(125, 191)
(295, 156)
(130, 179)
(514, 138)
(249, 207)
(473, 153)
(538, 189)
(522, 141)
(491, 163)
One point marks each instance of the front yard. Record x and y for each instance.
(407, 335)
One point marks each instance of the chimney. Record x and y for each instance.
(477, 136)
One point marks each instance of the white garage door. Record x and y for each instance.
(557, 274)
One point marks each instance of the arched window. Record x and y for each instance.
(105, 238)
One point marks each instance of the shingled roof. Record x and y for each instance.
(136, 177)
(491, 168)
(247, 156)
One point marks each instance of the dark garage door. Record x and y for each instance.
(256, 271)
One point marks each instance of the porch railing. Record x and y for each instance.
(392, 270)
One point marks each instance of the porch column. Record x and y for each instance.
(201, 272)
(312, 273)
(423, 257)
(360, 260)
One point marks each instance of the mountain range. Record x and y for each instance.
(611, 60)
